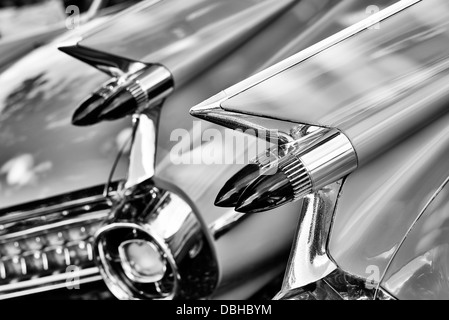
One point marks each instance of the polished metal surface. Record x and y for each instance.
(152, 87)
(226, 223)
(238, 121)
(143, 89)
(185, 36)
(88, 110)
(142, 155)
(179, 262)
(325, 161)
(309, 261)
(266, 163)
(298, 177)
(142, 261)
(58, 281)
(292, 171)
(338, 285)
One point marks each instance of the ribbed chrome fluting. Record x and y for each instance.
(298, 176)
(139, 94)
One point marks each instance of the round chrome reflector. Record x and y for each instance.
(142, 261)
(155, 247)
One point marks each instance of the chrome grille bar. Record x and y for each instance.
(46, 245)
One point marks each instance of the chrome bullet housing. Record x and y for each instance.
(155, 247)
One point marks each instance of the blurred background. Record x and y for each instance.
(28, 24)
(19, 17)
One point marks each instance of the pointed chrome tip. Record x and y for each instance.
(227, 197)
(225, 201)
(110, 64)
(231, 191)
(266, 193)
(73, 51)
(67, 49)
(207, 109)
(88, 111)
(211, 110)
(119, 106)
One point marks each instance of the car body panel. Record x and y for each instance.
(179, 42)
(419, 269)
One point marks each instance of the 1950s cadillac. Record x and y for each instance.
(108, 185)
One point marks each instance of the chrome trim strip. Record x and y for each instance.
(210, 110)
(21, 215)
(53, 282)
(44, 261)
(238, 121)
(96, 215)
(73, 209)
(320, 46)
